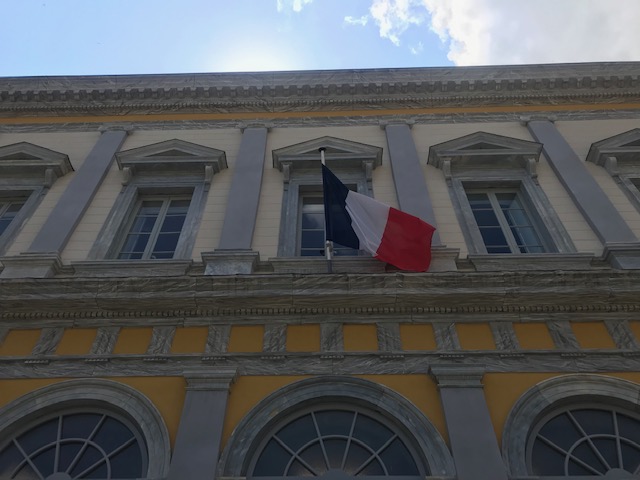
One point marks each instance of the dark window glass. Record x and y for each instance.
(586, 441)
(8, 211)
(325, 440)
(83, 445)
(312, 239)
(155, 229)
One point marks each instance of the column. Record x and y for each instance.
(234, 254)
(408, 176)
(621, 245)
(197, 447)
(473, 441)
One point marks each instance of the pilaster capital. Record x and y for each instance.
(244, 126)
(216, 379)
(458, 376)
(410, 122)
(525, 119)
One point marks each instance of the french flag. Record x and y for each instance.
(357, 221)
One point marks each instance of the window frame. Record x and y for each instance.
(104, 395)
(487, 161)
(165, 169)
(27, 171)
(300, 164)
(553, 395)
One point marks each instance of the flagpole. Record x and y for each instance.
(328, 244)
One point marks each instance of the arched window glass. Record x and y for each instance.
(74, 444)
(323, 440)
(585, 440)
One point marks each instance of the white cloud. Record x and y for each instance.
(361, 21)
(417, 49)
(479, 32)
(394, 17)
(295, 5)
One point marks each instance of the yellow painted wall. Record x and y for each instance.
(360, 338)
(189, 340)
(76, 341)
(475, 336)
(132, 340)
(592, 335)
(19, 342)
(303, 338)
(533, 336)
(635, 328)
(246, 338)
(417, 337)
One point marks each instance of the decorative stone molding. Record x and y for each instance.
(531, 262)
(31, 265)
(230, 262)
(458, 376)
(623, 256)
(131, 268)
(217, 378)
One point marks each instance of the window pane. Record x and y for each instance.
(314, 457)
(150, 207)
(126, 462)
(143, 224)
(398, 460)
(370, 432)
(134, 246)
(298, 433)
(272, 461)
(335, 448)
(44, 461)
(334, 422)
(10, 458)
(39, 436)
(165, 245)
(494, 238)
(79, 425)
(313, 221)
(357, 457)
(8, 212)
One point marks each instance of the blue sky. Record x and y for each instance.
(86, 37)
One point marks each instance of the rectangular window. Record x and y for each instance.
(312, 239)
(504, 223)
(9, 209)
(155, 228)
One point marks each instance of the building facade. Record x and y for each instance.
(166, 311)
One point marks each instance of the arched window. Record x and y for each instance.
(336, 428)
(332, 437)
(75, 443)
(83, 429)
(575, 425)
(585, 440)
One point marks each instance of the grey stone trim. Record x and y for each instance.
(105, 341)
(562, 335)
(48, 341)
(318, 363)
(31, 265)
(622, 334)
(606, 111)
(161, 339)
(74, 201)
(230, 262)
(599, 292)
(131, 268)
(408, 177)
(237, 454)
(4, 331)
(623, 256)
(307, 265)
(389, 337)
(532, 262)
(473, 442)
(272, 91)
(275, 338)
(542, 398)
(199, 437)
(504, 336)
(244, 193)
(331, 337)
(593, 203)
(446, 336)
(217, 339)
(107, 393)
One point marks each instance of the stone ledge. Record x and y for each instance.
(230, 262)
(31, 265)
(131, 268)
(531, 262)
(623, 256)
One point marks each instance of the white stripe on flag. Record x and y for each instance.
(368, 220)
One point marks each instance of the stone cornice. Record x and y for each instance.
(320, 295)
(320, 90)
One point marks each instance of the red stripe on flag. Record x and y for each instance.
(406, 242)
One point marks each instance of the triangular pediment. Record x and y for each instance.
(29, 160)
(485, 150)
(338, 152)
(174, 156)
(622, 149)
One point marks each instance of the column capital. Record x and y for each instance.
(244, 126)
(458, 376)
(217, 379)
(525, 119)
